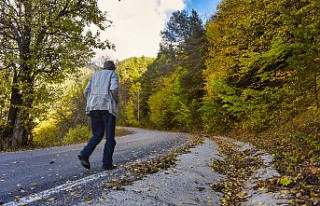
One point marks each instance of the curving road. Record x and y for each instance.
(27, 172)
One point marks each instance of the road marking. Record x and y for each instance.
(46, 193)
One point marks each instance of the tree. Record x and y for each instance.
(263, 62)
(130, 70)
(63, 118)
(302, 28)
(180, 62)
(4, 97)
(41, 41)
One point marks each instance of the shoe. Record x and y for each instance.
(84, 161)
(109, 167)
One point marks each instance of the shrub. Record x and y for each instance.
(77, 135)
(46, 133)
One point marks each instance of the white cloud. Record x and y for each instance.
(136, 25)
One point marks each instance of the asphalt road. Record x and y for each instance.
(27, 172)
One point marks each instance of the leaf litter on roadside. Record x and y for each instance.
(138, 170)
(237, 167)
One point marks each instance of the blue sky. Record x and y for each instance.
(205, 8)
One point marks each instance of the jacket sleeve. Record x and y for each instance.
(87, 90)
(115, 86)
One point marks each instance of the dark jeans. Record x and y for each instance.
(101, 121)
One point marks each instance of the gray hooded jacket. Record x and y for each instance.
(102, 92)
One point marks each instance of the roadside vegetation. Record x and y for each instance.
(63, 120)
(251, 72)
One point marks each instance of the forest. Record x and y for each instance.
(251, 72)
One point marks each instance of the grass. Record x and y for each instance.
(119, 132)
(122, 132)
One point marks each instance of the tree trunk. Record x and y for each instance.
(22, 90)
(15, 102)
(19, 121)
(19, 132)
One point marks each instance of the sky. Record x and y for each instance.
(137, 24)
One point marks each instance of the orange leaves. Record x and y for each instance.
(314, 170)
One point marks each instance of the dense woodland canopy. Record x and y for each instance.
(130, 72)
(254, 67)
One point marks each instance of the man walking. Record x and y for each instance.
(102, 98)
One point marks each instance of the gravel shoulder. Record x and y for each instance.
(186, 184)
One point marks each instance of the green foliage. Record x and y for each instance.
(285, 181)
(260, 82)
(46, 133)
(214, 118)
(173, 84)
(42, 42)
(4, 96)
(132, 109)
(261, 65)
(159, 105)
(77, 135)
(306, 128)
(130, 70)
(65, 116)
